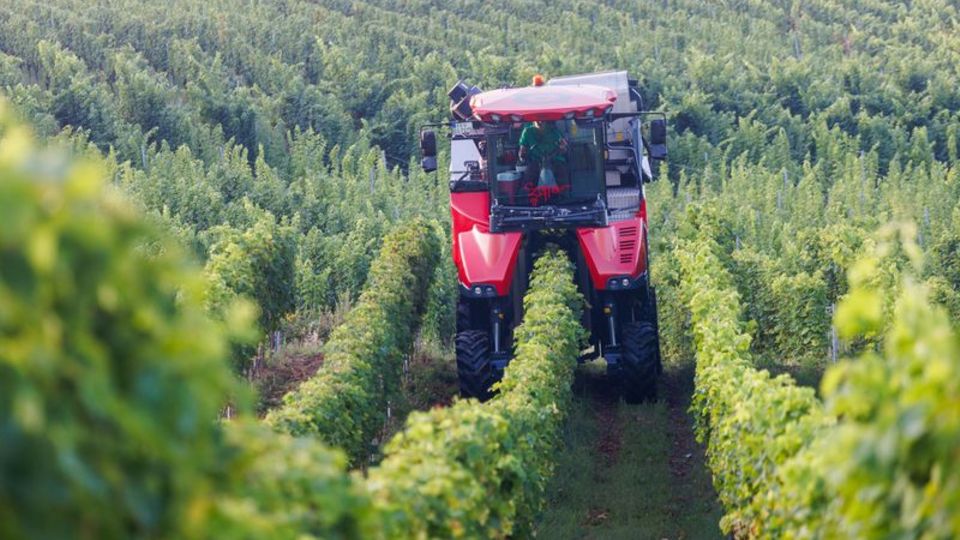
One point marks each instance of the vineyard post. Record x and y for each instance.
(834, 338)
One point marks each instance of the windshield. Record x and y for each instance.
(547, 163)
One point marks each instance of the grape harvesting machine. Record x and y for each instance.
(561, 162)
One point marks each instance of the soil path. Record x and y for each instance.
(631, 471)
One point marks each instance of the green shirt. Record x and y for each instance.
(542, 143)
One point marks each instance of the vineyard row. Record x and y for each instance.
(877, 456)
(112, 371)
(346, 402)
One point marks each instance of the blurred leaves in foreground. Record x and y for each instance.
(112, 377)
(111, 374)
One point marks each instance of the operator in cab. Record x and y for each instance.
(543, 147)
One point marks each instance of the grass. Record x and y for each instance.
(630, 471)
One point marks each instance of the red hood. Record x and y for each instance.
(546, 103)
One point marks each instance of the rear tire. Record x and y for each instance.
(650, 315)
(640, 362)
(474, 366)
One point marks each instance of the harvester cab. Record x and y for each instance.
(564, 163)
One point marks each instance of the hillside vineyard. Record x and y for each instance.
(195, 193)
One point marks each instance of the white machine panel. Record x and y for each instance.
(461, 151)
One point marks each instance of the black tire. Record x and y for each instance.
(651, 316)
(471, 315)
(640, 362)
(464, 319)
(474, 367)
(647, 311)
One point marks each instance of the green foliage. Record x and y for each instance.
(480, 470)
(256, 263)
(898, 439)
(800, 119)
(674, 324)
(439, 319)
(889, 465)
(111, 374)
(944, 269)
(750, 421)
(345, 404)
(803, 323)
(877, 457)
(289, 488)
(112, 377)
(811, 80)
(790, 311)
(274, 139)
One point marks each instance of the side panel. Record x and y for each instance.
(481, 256)
(615, 251)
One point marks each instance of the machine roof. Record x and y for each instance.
(546, 103)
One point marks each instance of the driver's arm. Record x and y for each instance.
(561, 139)
(526, 142)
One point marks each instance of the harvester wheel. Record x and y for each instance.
(474, 366)
(650, 315)
(469, 317)
(640, 362)
(463, 316)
